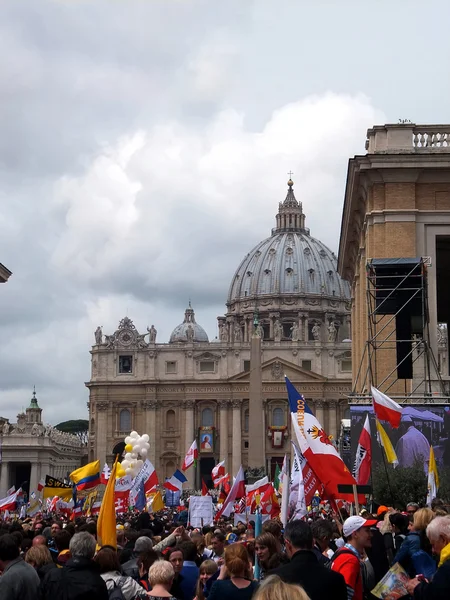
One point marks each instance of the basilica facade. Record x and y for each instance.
(287, 291)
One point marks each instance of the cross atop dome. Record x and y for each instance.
(290, 215)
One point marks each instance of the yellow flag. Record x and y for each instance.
(106, 525)
(157, 502)
(384, 440)
(433, 478)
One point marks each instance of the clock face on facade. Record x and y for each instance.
(125, 338)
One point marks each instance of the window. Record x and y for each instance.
(346, 366)
(170, 419)
(306, 364)
(125, 420)
(278, 417)
(171, 366)
(245, 445)
(207, 366)
(246, 366)
(246, 420)
(125, 364)
(207, 417)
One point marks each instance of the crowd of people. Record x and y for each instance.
(341, 559)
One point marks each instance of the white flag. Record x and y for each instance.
(297, 503)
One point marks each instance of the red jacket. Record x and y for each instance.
(349, 566)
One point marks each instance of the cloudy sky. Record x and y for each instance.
(145, 145)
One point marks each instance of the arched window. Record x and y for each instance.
(246, 418)
(207, 417)
(170, 419)
(125, 420)
(278, 417)
(170, 468)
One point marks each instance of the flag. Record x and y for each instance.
(222, 495)
(104, 475)
(218, 472)
(284, 492)
(34, 506)
(96, 508)
(77, 509)
(385, 408)
(9, 502)
(205, 490)
(87, 477)
(191, 456)
(175, 483)
(433, 478)
(269, 502)
(54, 487)
(106, 524)
(240, 507)
(363, 459)
(310, 480)
(148, 475)
(223, 481)
(141, 501)
(297, 503)
(88, 502)
(254, 491)
(11, 490)
(41, 485)
(122, 492)
(237, 491)
(385, 442)
(317, 448)
(277, 478)
(156, 502)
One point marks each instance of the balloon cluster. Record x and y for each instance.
(136, 449)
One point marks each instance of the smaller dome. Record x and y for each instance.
(189, 330)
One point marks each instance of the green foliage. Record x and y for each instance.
(78, 427)
(405, 485)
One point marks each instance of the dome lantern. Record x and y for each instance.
(189, 330)
(290, 215)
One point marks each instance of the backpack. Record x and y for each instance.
(115, 593)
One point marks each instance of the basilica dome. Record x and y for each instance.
(289, 262)
(189, 330)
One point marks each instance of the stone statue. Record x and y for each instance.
(5, 428)
(259, 331)
(98, 335)
(37, 429)
(237, 333)
(295, 332)
(152, 334)
(316, 331)
(223, 336)
(332, 332)
(190, 333)
(277, 331)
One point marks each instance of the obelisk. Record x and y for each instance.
(256, 439)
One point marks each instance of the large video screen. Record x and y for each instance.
(421, 426)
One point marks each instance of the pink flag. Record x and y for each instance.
(386, 409)
(363, 459)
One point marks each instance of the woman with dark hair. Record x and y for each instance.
(144, 562)
(110, 571)
(176, 558)
(266, 546)
(400, 524)
(235, 579)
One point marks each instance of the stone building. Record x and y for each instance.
(397, 205)
(5, 274)
(286, 291)
(31, 450)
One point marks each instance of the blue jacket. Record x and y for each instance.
(410, 546)
(189, 573)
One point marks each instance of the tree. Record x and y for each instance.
(405, 485)
(78, 427)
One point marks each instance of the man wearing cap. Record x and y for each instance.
(413, 446)
(348, 560)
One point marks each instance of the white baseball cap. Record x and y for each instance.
(352, 524)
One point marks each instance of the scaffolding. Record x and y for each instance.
(398, 336)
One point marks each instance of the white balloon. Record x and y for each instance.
(128, 440)
(147, 446)
(143, 452)
(128, 470)
(134, 435)
(134, 455)
(136, 448)
(145, 437)
(128, 456)
(125, 463)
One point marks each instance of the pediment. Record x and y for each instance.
(276, 368)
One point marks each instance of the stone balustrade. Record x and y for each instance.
(403, 138)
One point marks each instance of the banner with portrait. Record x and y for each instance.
(206, 439)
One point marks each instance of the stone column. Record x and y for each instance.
(4, 479)
(333, 419)
(256, 456)
(189, 435)
(223, 431)
(306, 331)
(102, 431)
(319, 411)
(149, 407)
(237, 437)
(34, 476)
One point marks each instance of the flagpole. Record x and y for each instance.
(387, 477)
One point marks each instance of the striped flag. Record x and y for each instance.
(433, 478)
(386, 443)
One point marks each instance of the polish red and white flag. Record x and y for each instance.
(237, 491)
(386, 409)
(218, 472)
(104, 475)
(363, 459)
